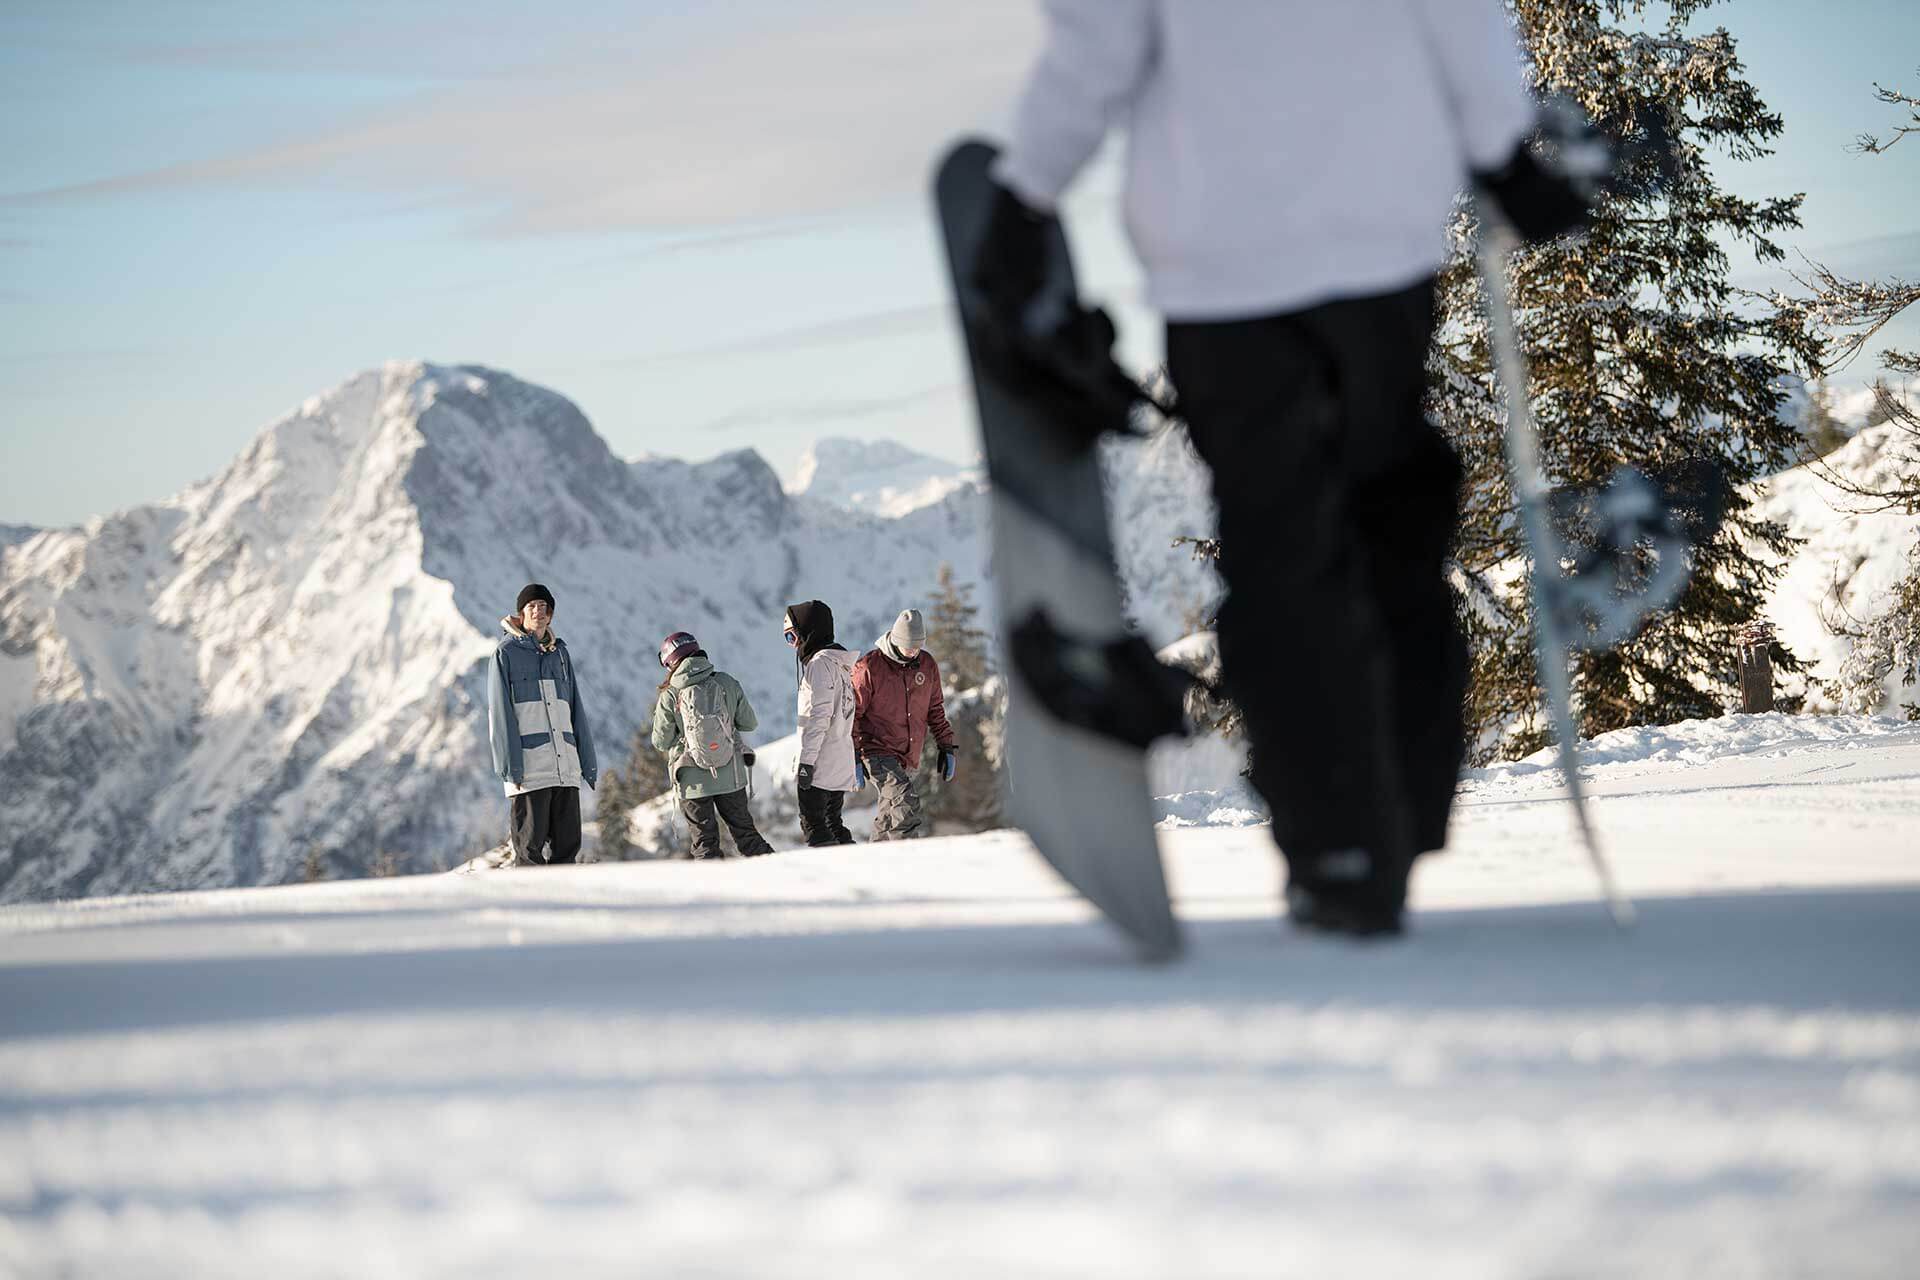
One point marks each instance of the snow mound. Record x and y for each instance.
(1227, 801)
(1230, 807)
(1697, 742)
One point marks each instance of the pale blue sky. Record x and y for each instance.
(705, 224)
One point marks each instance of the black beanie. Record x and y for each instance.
(533, 591)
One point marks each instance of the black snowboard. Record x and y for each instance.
(1083, 799)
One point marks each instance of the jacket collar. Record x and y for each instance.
(547, 644)
(887, 650)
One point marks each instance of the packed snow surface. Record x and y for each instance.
(931, 1060)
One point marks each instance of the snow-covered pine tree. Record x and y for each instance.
(640, 779)
(953, 633)
(976, 707)
(1642, 352)
(1886, 643)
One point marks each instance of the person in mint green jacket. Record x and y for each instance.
(697, 723)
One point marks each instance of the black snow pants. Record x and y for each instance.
(1338, 502)
(705, 815)
(544, 826)
(820, 817)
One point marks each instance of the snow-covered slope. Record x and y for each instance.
(279, 670)
(878, 477)
(1851, 560)
(930, 1060)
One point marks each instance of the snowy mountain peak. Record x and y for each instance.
(281, 671)
(883, 477)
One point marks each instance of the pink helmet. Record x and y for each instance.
(675, 647)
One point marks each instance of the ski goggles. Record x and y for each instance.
(791, 637)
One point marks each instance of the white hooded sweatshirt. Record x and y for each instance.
(1281, 153)
(826, 718)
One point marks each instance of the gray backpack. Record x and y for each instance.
(707, 725)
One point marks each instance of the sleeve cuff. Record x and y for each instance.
(1034, 189)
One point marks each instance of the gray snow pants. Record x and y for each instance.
(897, 815)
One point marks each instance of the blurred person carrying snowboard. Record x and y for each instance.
(1291, 169)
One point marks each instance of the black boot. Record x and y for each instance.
(1346, 891)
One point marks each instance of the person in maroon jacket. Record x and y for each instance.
(896, 700)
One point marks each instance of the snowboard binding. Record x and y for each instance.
(1117, 688)
(1631, 549)
(1025, 318)
(1626, 156)
(1061, 353)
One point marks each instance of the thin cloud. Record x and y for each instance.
(896, 323)
(829, 111)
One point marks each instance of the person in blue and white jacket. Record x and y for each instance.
(542, 744)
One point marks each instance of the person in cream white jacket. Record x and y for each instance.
(828, 768)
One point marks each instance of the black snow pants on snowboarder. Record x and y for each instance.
(1338, 502)
(544, 826)
(705, 815)
(820, 817)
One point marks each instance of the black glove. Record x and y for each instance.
(949, 761)
(806, 775)
(748, 757)
(1012, 262)
(1543, 204)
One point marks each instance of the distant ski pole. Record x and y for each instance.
(1552, 649)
